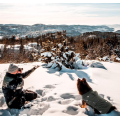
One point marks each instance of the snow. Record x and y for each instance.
(64, 55)
(92, 36)
(60, 45)
(46, 54)
(78, 64)
(1, 46)
(34, 44)
(118, 58)
(105, 58)
(1, 37)
(97, 65)
(54, 49)
(28, 47)
(58, 94)
(66, 47)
